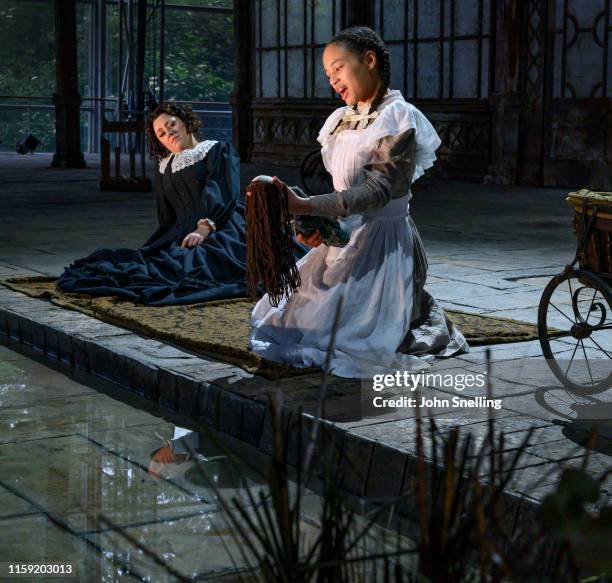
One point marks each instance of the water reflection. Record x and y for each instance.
(182, 457)
(124, 494)
(91, 479)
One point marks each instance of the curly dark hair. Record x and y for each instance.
(183, 112)
(358, 40)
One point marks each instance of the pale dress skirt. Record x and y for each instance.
(380, 276)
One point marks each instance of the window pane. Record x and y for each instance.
(411, 72)
(585, 11)
(199, 60)
(466, 17)
(209, 3)
(465, 79)
(428, 66)
(27, 50)
(281, 53)
(295, 22)
(393, 20)
(429, 18)
(323, 21)
(16, 122)
(296, 72)
(584, 66)
(484, 82)
(321, 80)
(27, 54)
(396, 54)
(269, 22)
(269, 74)
(446, 70)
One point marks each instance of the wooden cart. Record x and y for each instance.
(575, 311)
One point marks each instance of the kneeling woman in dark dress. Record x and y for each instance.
(198, 253)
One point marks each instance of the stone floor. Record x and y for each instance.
(491, 251)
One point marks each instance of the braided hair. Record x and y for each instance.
(183, 112)
(358, 40)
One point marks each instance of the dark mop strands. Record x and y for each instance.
(270, 253)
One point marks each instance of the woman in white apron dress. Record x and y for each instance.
(374, 148)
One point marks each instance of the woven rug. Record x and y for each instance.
(221, 328)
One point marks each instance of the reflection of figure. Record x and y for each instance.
(166, 460)
(183, 457)
(374, 149)
(198, 252)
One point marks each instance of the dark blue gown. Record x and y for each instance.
(203, 182)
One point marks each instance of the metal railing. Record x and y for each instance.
(217, 112)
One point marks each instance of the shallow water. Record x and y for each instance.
(94, 477)
(78, 480)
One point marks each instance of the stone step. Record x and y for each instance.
(220, 395)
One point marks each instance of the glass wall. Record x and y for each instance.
(198, 67)
(199, 61)
(439, 48)
(28, 69)
(289, 40)
(583, 49)
(199, 52)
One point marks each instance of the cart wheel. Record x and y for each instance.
(575, 330)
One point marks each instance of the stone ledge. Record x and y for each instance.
(188, 384)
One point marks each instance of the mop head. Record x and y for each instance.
(270, 251)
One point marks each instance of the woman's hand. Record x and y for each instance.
(197, 237)
(313, 240)
(297, 205)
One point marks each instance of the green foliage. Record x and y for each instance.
(199, 60)
(27, 53)
(585, 533)
(27, 50)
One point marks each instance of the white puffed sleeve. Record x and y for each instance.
(398, 117)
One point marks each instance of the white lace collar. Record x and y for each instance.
(186, 158)
(361, 113)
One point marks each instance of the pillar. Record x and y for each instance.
(538, 20)
(66, 98)
(505, 102)
(240, 99)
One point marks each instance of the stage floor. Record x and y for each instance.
(491, 250)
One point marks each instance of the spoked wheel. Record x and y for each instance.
(575, 330)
